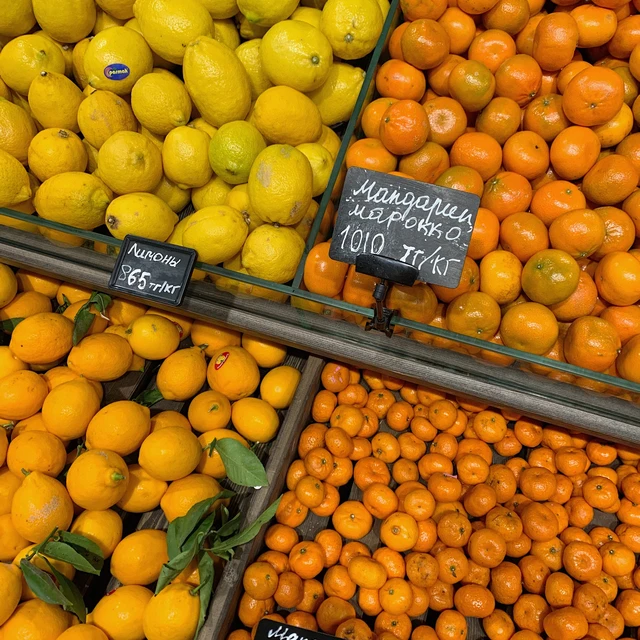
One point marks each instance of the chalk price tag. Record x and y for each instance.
(270, 630)
(414, 222)
(153, 270)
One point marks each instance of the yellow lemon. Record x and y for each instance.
(330, 141)
(36, 619)
(216, 80)
(321, 163)
(40, 504)
(238, 198)
(119, 613)
(182, 322)
(68, 22)
(129, 162)
(161, 102)
(212, 337)
(279, 386)
(124, 312)
(213, 193)
(24, 57)
(63, 567)
(233, 372)
(203, 125)
(220, 9)
(42, 338)
(268, 354)
(18, 130)
(4, 442)
(36, 451)
(210, 462)
(101, 357)
(73, 198)
(265, 13)
(102, 114)
(169, 25)
(143, 491)
(172, 614)
(250, 30)
(255, 419)
(71, 293)
(10, 590)
(166, 419)
(9, 362)
(249, 55)
(119, 9)
(55, 151)
(139, 557)
(170, 454)
(209, 411)
(310, 15)
(8, 285)
(216, 233)
(337, 97)
(69, 408)
(116, 59)
(34, 423)
(272, 253)
(140, 214)
(225, 31)
(233, 150)
(120, 426)
(137, 363)
(98, 325)
(54, 101)
(183, 494)
(185, 157)
(77, 62)
(153, 337)
(14, 181)
(102, 527)
(303, 228)
(352, 26)
(83, 632)
(9, 484)
(11, 542)
(182, 374)
(21, 394)
(105, 21)
(97, 479)
(17, 18)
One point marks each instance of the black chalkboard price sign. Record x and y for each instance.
(420, 224)
(153, 270)
(270, 630)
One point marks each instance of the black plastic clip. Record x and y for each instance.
(388, 270)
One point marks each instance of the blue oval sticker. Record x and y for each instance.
(117, 71)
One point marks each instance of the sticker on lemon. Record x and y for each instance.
(233, 371)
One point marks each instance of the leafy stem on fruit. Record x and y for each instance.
(84, 318)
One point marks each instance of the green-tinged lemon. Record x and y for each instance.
(225, 31)
(116, 59)
(16, 18)
(17, 131)
(55, 151)
(217, 233)
(129, 162)
(297, 55)
(233, 150)
(266, 13)
(170, 25)
(352, 26)
(213, 193)
(119, 9)
(310, 15)
(249, 55)
(140, 214)
(272, 253)
(321, 163)
(337, 97)
(286, 116)
(185, 157)
(23, 58)
(172, 194)
(68, 21)
(216, 80)
(102, 114)
(77, 199)
(55, 100)
(14, 181)
(160, 102)
(221, 9)
(281, 184)
(238, 198)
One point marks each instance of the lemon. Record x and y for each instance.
(279, 386)
(67, 54)
(267, 354)
(210, 462)
(139, 557)
(170, 25)
(233, 149)
(116, 59)
(321, 163)
(255, 419)
(17, 18)
(185, 157)
(266, 13)
(119, 613)
(155, 138)
(225, 31)
(330, 141)
(55, 151)
(10, 590)
(60, 238)
(153, 337)
(77, 199)
(36, 619)
(143, 492)
(129, 162)
(55, 100)
(170, 193)
(140, 214)
(170, 454)
(182, 374)
(23, 58)
(213, 193)
(161, 102)
(102, 527)
(238, 198)
(14, 181)
(272, 253)
(217, 233)
(83, 632)
(8, 286)
(17, 131)
(310, 15)
(216, 80)
(249, 55)
(286, 116)
(203, 125)
(280, 184)
(337, 97)
(119, 9)
(184, 493)
(297, 55)
(101, 115)
(352, 27)
(105, 21)
(68, 21)
(92, 155)
(172, 614)
(221, 9)
(249, 30)
(303, 228)
(77, 59)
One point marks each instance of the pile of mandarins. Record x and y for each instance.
(410, 501)
(532, 107)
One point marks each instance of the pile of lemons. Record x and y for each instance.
(122, 112)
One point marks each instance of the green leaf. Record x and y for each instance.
(177, 565)
(248, 534)
(230, 527)
(76, 540)
(149, 397)
(9, 325)
(66, 303)
(42, 584)
(101, 301)
(87, 562)
(242, 465)
(206, 570)
(72, 594)
(84, 318)
(203, 529)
